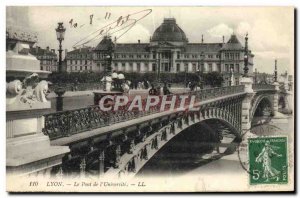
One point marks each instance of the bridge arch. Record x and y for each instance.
(261, 102)
(144, 151)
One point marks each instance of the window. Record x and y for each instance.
(76, 62)
(154, 56)
(123, 56)
(71, 61)
(138, 66)
(186, 67)
(217, 56)
(194, 67)
(178, 67)
(85, 62)
(91, 68)
(153, 67)
(219, 67)
(210, 69)
(138, 56)
(116, 64)
(226, 68)
(85, 68)
(232, 66)
(237, 68)
(98, 64)
(80, 68)
(76, 68)
(231, 56)
(186, 56)
(237, 56)
(130, 56)
(226, 56)
(123, 64)
(210, 56)
(178, 55)
(41, 67)
(130, 64)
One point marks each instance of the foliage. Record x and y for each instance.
(213, 78)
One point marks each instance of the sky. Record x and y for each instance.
(270, 29)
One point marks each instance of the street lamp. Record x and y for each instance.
(246, 57)
(230, 75)
(275, 72)
(60, 34)
(255, 76)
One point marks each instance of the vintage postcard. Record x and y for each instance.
(150, 99)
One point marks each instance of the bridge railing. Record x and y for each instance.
(263, 87)
(67, 123)
(206, 94)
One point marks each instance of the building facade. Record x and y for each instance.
(48, 58)
(168, 51)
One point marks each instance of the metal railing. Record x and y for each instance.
(66, 123)
(263, 87)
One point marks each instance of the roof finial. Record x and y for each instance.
(202, 40)
(223, 39)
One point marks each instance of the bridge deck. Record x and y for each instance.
(119, 126)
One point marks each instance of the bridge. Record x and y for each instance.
(121, 143)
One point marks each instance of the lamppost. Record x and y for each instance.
(246, 57)
(255, 76)
(230, 75)
(60, 34)
(275, 72)
(201, 70)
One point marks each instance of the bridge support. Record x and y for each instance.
(275, 99)
(246, 105)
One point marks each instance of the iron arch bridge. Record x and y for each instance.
(121, 143)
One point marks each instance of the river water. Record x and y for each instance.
(188, 154)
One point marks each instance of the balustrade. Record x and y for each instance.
(66, 123)
(263, 87)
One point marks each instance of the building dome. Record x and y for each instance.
(169, 31)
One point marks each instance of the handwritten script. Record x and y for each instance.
(117, 28)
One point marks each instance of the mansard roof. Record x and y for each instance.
(131, 48)
(37, 51)
(203, 47)
(233, 44)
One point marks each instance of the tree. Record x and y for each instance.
(213, 79)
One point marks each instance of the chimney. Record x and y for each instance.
(223, 39)
(47, 48)
(202, 40)
(139, 41)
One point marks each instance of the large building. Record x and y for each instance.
(48, 58)
(168, 51)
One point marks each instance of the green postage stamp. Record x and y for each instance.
(268, 160)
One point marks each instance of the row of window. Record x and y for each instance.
(48, 62)
(48, 68)
(81, 68)
(235, 68)
(46, 57)
(80, 62)
(232, 56)
(79, 55)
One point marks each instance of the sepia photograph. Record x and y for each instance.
(150, 99)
